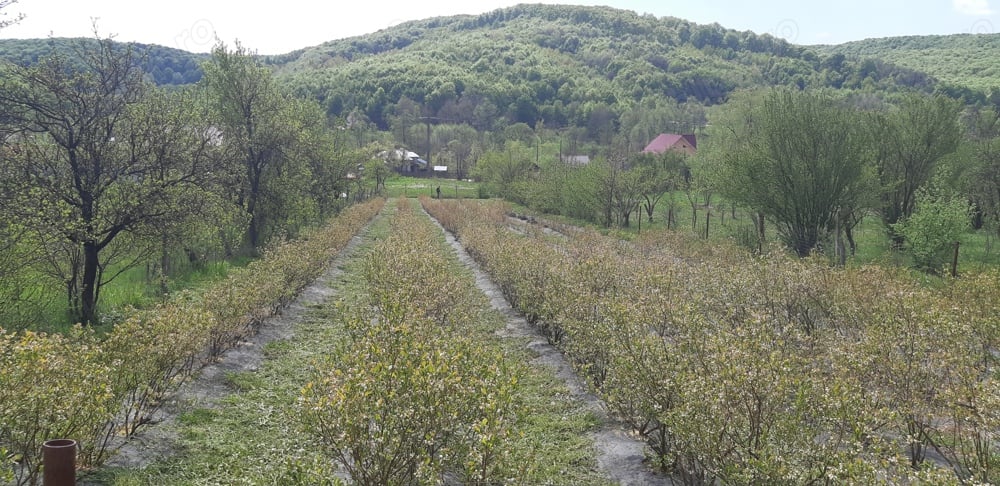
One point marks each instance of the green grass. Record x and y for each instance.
(403, 186)
(133, 288)
(251, 437)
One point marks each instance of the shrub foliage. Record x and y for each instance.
(411, 396)
(742, 369)
(99, 390)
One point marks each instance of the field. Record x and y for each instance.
(760, 369)
(508, 351)
(415, 187)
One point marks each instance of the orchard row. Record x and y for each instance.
(413, 392)
(99, 389)
(744, 369)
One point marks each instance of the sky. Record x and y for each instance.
(286, 25)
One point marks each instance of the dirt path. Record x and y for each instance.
(618, 455)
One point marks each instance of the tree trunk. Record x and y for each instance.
(253, 235)
(839, 244)
(88, 291)
(849, 233)
(255, 171)
(73, 291)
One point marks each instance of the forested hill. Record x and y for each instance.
(968, 60)
(576, 66)
(561, 64)
(165, 65)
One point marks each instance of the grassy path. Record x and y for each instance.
(237, 423)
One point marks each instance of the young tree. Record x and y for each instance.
(620, 189)
(796, 157)
(910, 142)
(661, 174)
(258, 126)
(504, 173)
(935, 225)
(96, 162)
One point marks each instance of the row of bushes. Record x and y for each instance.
(412, 395)
(743, 369)
(99, 390)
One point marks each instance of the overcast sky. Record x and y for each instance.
(287, 25)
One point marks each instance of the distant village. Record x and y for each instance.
(411, 163)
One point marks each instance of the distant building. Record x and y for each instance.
(670, 141)
(404, 160)
(576, 160)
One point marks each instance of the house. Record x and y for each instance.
(576, 160)
(404, 160)
(670, 141)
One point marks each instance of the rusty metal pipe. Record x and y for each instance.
(59, 462)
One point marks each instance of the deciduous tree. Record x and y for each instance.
(96, 161)
(257, 127)
(796, 157)
(937, 221)
(910, 141)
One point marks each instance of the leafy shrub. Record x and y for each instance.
(933, 228)
(411, 397)
(42, 395)
(98, 390)
(749, 369)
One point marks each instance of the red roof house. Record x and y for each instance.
(671, 141)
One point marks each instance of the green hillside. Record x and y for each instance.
(561, 64)
(966, 60)
(575, 66)
(165, 65)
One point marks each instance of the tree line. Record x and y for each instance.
(812, 164)
(103, 171)
(163, 65)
